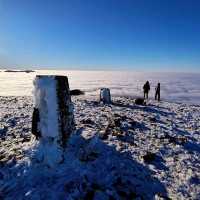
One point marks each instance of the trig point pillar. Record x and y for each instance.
(53, 119)
(105, 96)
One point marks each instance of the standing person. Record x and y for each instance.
(146, 89)
(157, 94)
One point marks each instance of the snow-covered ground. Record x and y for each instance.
(119, 151)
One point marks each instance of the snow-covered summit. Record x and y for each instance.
(119, 151)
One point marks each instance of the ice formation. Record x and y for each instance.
(53, 120)
(46, 102)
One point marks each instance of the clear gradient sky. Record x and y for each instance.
(100, 34)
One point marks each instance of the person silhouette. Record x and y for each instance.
(157, 92)
(146, 89)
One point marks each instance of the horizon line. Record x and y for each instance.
(98, 70)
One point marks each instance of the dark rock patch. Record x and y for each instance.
(76, 92)
(149, 157)
(87, 121)
(140, 101)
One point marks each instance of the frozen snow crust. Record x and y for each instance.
(46, 101)
(119, 151)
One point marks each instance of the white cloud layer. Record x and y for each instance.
(180, 87)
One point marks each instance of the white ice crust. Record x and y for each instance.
(45, 100)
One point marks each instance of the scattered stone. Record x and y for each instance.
(140, 101)
(176, 140)
(195, 180)
(26, 138)
(76, 92)
(149, 157)
(133, 124)
(182, 140)
(117, 122)
(6, 116)
(103, 135)
(87, 121)
(3, 161)
(108, 130)
(152, 119)
(12, 122)
(3, 130)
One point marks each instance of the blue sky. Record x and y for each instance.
(151, 35)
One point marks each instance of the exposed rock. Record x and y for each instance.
(3, 130)
(140, 101)
(152, 119)
(176, 140)
(76, 92)
(149, 157)
(87, 121)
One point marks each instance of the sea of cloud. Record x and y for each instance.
(179, 87)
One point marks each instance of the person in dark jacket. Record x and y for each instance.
(157, 94)
(146, 89)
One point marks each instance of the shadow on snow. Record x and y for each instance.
(92, 170)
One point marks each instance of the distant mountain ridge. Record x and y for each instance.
(27, 71)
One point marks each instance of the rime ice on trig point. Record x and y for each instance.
(105, 96)
(53, 119)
